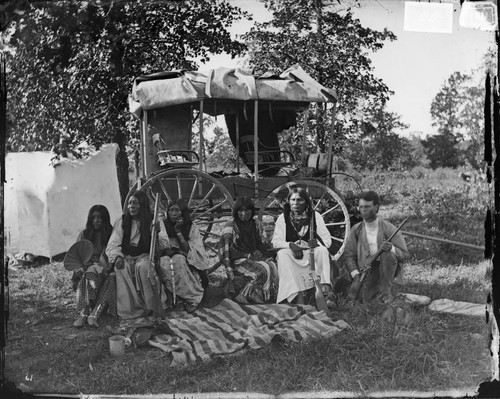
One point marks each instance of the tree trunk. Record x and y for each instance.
(122, 166)
(320, 127)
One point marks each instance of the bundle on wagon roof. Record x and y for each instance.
(256, 109)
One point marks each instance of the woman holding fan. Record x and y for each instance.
(94, 282)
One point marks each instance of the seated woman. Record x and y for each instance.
(128, 250)
(256, 275)
(95, 283)
(185, 254)
(291, 235)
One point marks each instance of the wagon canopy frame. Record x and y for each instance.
(227, 91)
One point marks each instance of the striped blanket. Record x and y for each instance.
(230, 327)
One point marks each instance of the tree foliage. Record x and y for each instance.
(379, 146)
(442, 150)
(75, 63)
(458, 112)
(221, 154)
(333, 47)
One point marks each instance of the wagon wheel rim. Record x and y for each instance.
(209, 202)
(328, 204)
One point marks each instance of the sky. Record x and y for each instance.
(414, 66)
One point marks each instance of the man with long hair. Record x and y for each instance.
(128, 250)
(292, 235)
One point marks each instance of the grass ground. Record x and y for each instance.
(45, 354)
(432, 351)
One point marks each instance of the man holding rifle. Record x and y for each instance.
(374, 255)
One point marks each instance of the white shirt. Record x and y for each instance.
(371, 229)
(114, 247)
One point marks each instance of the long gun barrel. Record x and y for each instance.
(227, 267)
(172, 273)
(379, 251)
(318, 295)
(152, 272)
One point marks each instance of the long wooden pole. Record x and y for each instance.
(304, 137)
(144, 135)
(201, 136)
(256, 147)
(238, 142)
(330, 145)
(318, 294)
(461, 244)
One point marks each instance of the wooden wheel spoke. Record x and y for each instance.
(203, 200)
(165, 192)
(203, 231)
(149, 193)
(335, 224)
(191, 196)
(209, 221)
(212, 208)
(179, 186)
(330, 210)
(211, 247)
(319, 201)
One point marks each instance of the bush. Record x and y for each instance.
(419, 172)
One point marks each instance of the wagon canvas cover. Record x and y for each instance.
(166, 89)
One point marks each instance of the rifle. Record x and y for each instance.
(320, 298)
(356, 287)
(227, 263)
(173, 281)
(158, 311)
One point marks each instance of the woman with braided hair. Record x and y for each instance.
(291, 236)
(250, 269)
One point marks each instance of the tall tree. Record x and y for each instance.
(75, 62)
(333, 47)
(458, 112)
(379, 147)
(442, 150)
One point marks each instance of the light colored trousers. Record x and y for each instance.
(295, 274)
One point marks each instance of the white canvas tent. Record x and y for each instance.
(46, 206)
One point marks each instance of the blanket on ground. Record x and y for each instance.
(230, 327)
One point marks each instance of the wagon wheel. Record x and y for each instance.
(326, 202)
(210, 203)
(351, 191)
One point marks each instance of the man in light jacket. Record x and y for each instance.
(365, 238)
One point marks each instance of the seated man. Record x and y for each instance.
(292, 238)
(364, 240)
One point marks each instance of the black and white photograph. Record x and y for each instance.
(250, 198)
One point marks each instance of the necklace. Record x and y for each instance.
(299, 221)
